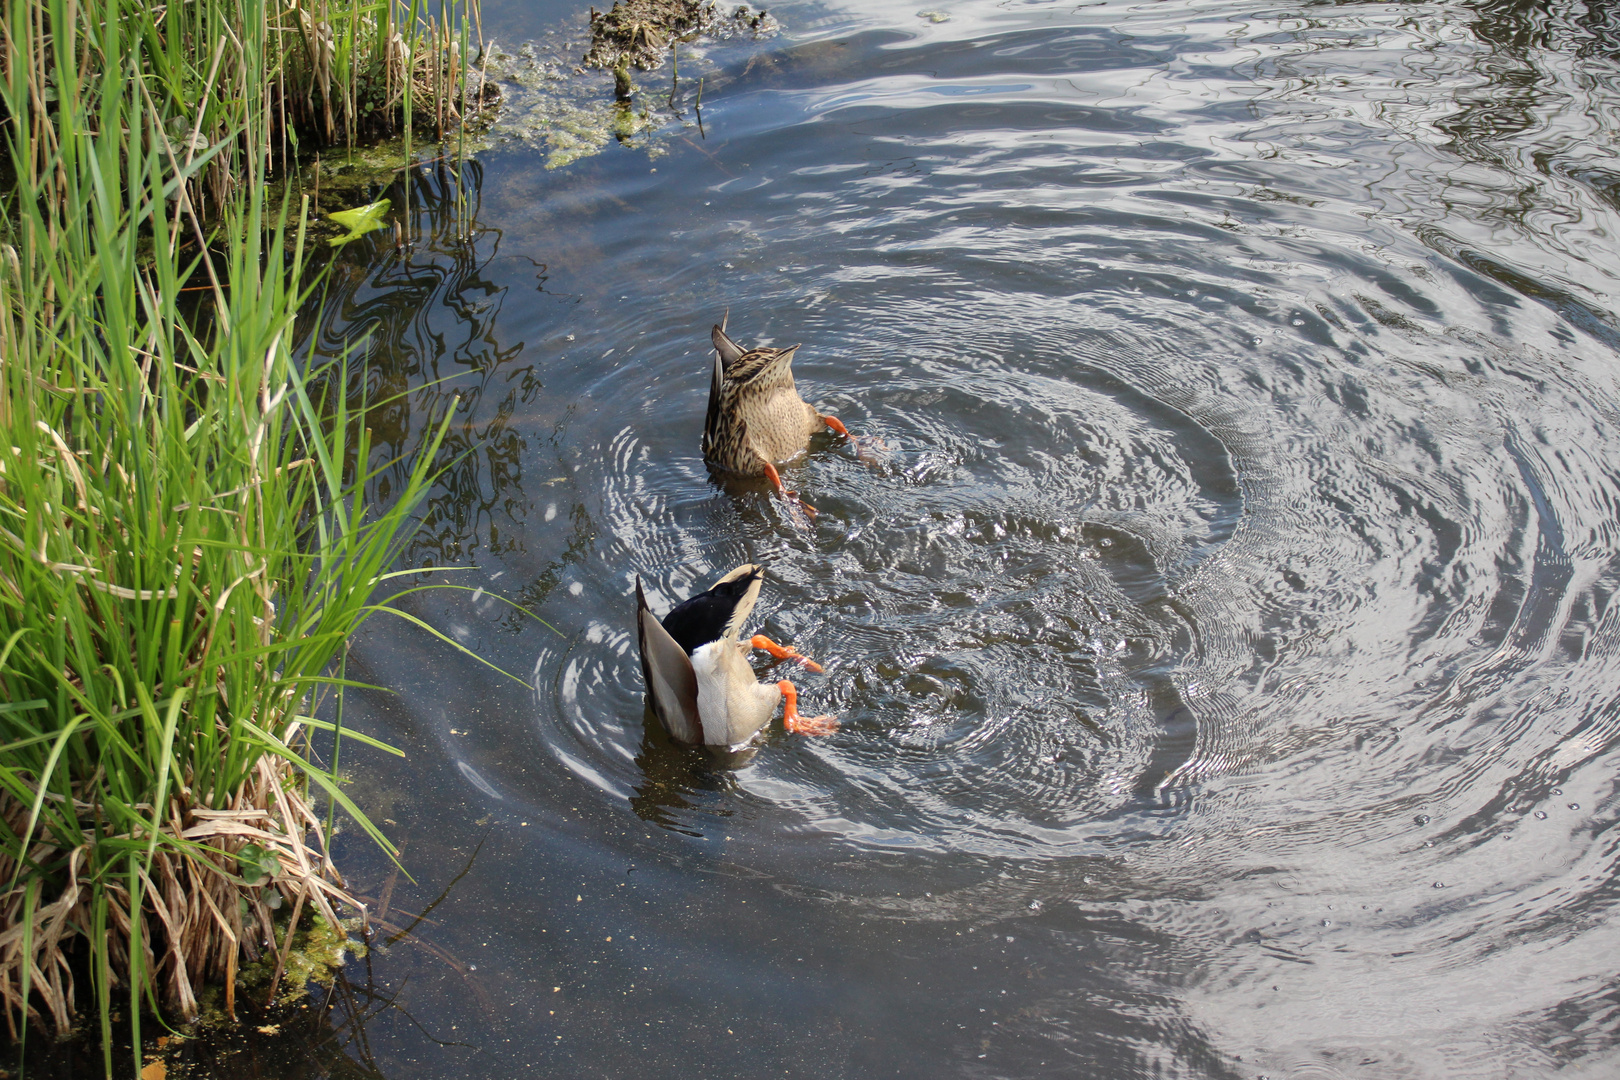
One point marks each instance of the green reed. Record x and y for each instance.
(184, 548)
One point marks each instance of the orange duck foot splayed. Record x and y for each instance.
(803, 725)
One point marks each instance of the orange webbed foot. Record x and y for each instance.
(802, 725)
(864, 445)
(812, 725)
(782, 652)
(781, 489)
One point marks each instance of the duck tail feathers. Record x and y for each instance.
(667, 671)
(711, 420)
(729, 350)
(717, 613)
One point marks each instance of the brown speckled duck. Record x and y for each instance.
(757, 420)
(699, 681)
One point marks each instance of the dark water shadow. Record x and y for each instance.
(677, 779)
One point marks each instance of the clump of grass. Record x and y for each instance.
(183, 549)
(357, 70)
(262, 81)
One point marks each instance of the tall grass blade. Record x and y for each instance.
(184, 544)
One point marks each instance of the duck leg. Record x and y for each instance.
(781, 489)
(782, 652)
(802, 725)
(863, 444)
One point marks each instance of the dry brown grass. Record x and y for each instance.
(203, 920)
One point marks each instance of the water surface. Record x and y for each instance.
(1225, 643)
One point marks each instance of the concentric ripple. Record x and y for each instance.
(987, 590)
(1232, 554)
(1169, 461)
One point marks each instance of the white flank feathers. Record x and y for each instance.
(714, 705)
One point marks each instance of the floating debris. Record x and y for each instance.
(359, 221)
(638, 33)
(318, 952)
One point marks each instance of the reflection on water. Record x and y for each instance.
(677, 779)
(1225, 646)
(424, 297)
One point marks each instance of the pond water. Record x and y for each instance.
(1225, 640)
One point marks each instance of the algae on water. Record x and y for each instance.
(550, 98)
(319, 949)
(548, 104)
(639, 33)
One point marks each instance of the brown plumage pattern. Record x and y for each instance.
(756, 418)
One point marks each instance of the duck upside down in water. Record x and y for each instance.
(756, 419)
(697, 672)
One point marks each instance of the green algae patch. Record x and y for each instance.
(554, 91)
(354, 179)
(318, 951)
(576, 131)
(549, 104)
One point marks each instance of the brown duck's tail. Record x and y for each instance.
(729, 350)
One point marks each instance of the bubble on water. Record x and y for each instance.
(1574, 806)
(1557, 791)
(1439, 885)
(1035, 905)
(1421, 819)
(1541, 815)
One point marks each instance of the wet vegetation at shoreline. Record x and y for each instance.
(638, 33)
(184, 543)
(552, 100)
